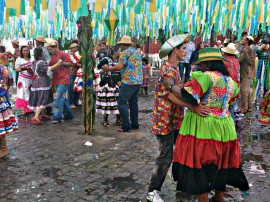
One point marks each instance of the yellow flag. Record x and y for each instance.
(105, 3)
(44, 5)
(11, 3)
(153, 6)
(98, 6)
(165, 10)
(7, 17)
(262, 12)
(31, 3)
(18, 7)
(131, 17)
(74, 4)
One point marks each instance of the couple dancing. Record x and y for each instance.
(207, 152)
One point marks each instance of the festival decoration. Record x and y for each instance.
(86, 49)
(111, 21)
(49, 18)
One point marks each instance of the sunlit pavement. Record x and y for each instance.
(51, 162)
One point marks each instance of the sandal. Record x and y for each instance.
(45, 117)
(55, 122)
(36, 121)
(106, 123)
(122, 131)
(118, 120)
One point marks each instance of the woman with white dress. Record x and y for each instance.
(23, 65)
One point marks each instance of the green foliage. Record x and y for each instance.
(86, 49)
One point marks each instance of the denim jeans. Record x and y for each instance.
(73, 97)
(128, 98)
(231, 110)
(60, 104)
(163, 161)
(187, 68)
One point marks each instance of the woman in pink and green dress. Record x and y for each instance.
(265, 111)
(207, 152)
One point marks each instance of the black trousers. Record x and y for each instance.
(163, 161)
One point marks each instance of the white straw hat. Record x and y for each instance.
(171, 43)
(231, 49)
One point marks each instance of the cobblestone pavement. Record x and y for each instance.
(51, 163)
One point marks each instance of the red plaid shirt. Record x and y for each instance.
(61, 74)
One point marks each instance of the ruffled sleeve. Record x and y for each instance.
(235, 93)
(198, 84)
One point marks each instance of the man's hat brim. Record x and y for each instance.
(171, 43)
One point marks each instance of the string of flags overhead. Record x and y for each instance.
(112, 18)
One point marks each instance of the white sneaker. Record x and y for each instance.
(154, 197)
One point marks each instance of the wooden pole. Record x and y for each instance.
(86, 48)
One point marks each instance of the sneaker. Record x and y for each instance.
(154, 197)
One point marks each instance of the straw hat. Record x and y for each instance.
(226, 41)
(171, 43)
(250, 37)
(125, 40)
(15, 42)
(51, 42)
(231, 49)
(73, 45)
(40, 39)
(208, 54)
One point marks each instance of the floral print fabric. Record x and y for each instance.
(166, 115)
(132, 71)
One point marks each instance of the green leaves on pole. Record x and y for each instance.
(86, 50)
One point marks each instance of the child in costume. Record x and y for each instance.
(146, 75)
(7, 120)
(265, 111)
(78, 83)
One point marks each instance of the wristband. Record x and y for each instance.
(170, 87)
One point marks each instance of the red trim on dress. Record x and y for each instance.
(195, 153)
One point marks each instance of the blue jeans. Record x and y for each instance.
(231, 109)
(60, 104)
(185, 77)
(73, 97)
(128, 98)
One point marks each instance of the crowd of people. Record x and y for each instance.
(200, 94)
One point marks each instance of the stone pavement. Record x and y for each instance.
(51, 163)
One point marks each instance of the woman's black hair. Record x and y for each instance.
(199, 46)
(112, 51)
(249, 41)
(230, 54)
(177, 47)
(38, 53)
(101, 54)
(21, 52)
(145, 60)
(218, 65)
(2, 49)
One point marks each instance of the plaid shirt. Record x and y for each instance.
(262, 56)
(166, 115)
